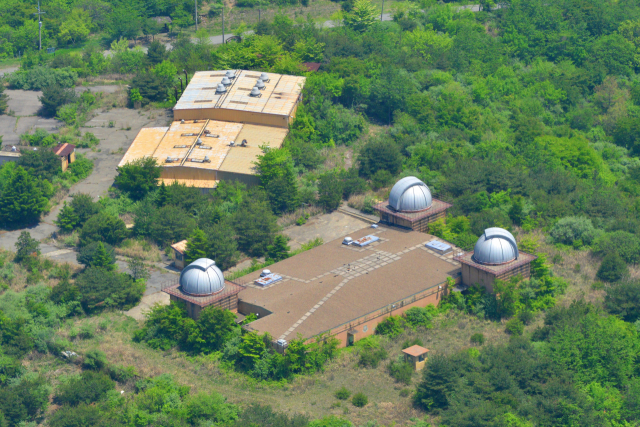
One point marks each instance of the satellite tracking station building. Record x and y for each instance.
(345, 287)
(220, 122)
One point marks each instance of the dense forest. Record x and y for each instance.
(524, 116)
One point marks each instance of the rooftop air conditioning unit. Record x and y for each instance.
(347, 241)
(265, 273)
(282, 343)
(13, 148)
(182, 121)
(232, 143)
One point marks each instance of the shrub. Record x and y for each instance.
(139, 177)
(612, 268)
(526, 317)
(405, 392)
(93, 255)
(100, 289)
(477, 338)
(40, 78)
(401, 371)
(80, 416)
(330, 189)
(105, 228)
(53, 98)
(359, 400)
(391, 326)
(43, 164)
(571, 229)
(342, 394)
(515, 326)
(370, 357)
(627, 245)
(87, 388)
(623, 300)
(420, 316)
(95, 359)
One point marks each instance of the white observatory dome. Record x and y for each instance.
(201, 277)
(495, 246)
(410, 195)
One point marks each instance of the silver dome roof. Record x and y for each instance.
(410, 195)
(201, 277)
(495, 246)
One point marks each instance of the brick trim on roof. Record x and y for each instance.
(437, 206)
(230, 289)
(467, 259)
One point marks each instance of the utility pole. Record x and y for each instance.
(382, 11)
(39, 26)
(223, 22)
(196, 1)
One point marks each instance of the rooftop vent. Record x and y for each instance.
(230, 74)
(260, 84)
(220, 89)
(264, 77)
(171, 159)
(182, 121)
(35, 149)
(232, 143)
(226, 81)
(255, 92)
(13, 148)
(243, 143)
(282, 343)
(199, 141)
(212, 135)
(206, 159)
(347, 241)
(265, 273)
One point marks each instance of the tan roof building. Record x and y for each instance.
(219, 128)
(346, 290)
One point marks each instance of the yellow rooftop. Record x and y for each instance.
(274, 104)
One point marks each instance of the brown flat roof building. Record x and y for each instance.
(346, 290)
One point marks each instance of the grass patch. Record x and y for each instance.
(140, 249)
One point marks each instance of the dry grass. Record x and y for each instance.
(339, 157)
(140, 249)
(290, 219)
(117, 99)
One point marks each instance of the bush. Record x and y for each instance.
(43, 164)
(40, 78)
(359, 400)
(330, 188)
(342, 394)
(82, 415)
(100, 289)
(53, 98)
(370, 357)
(612, 268)
(103, 228)
(138, 178)
(87, 255)
(627, 245)
(95, 360)
(89, 387)
(391, 326)
(401, 371)
(420, 316)
(477, 338)
(571, 229)
(624, 300)
(515, 326)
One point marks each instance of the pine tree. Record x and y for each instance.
(67, 219)
(22, 200)
(26, 246)
(279, 250)
(102, 259)
(3, 102)
(196, 246)
(163, 196)
(223, 246)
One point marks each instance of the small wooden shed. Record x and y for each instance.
(416, 355)
(179, 250)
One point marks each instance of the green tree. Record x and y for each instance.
(255, 225)
(138, 269)
(26, 246)
(277, 176)
(162, 196)
(438, 382)
(101, 290)
(157, 52)
(139, 177)
(361, 17)
(623, 300)
(279, 250)
(196, 246)
(3, 101)
(379, 154)
(103, 227)
(53, 97)
(169, 224)
(330, 189)
(151, 87)
(67, 219)
(216, 326)
(44, 164)
(83, 207)
(223, 247)
(98, 254)
(613, 268)
(21, 200)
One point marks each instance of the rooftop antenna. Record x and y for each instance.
(186, 77)
(39, 26)
(196, 1)
(181, 88)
